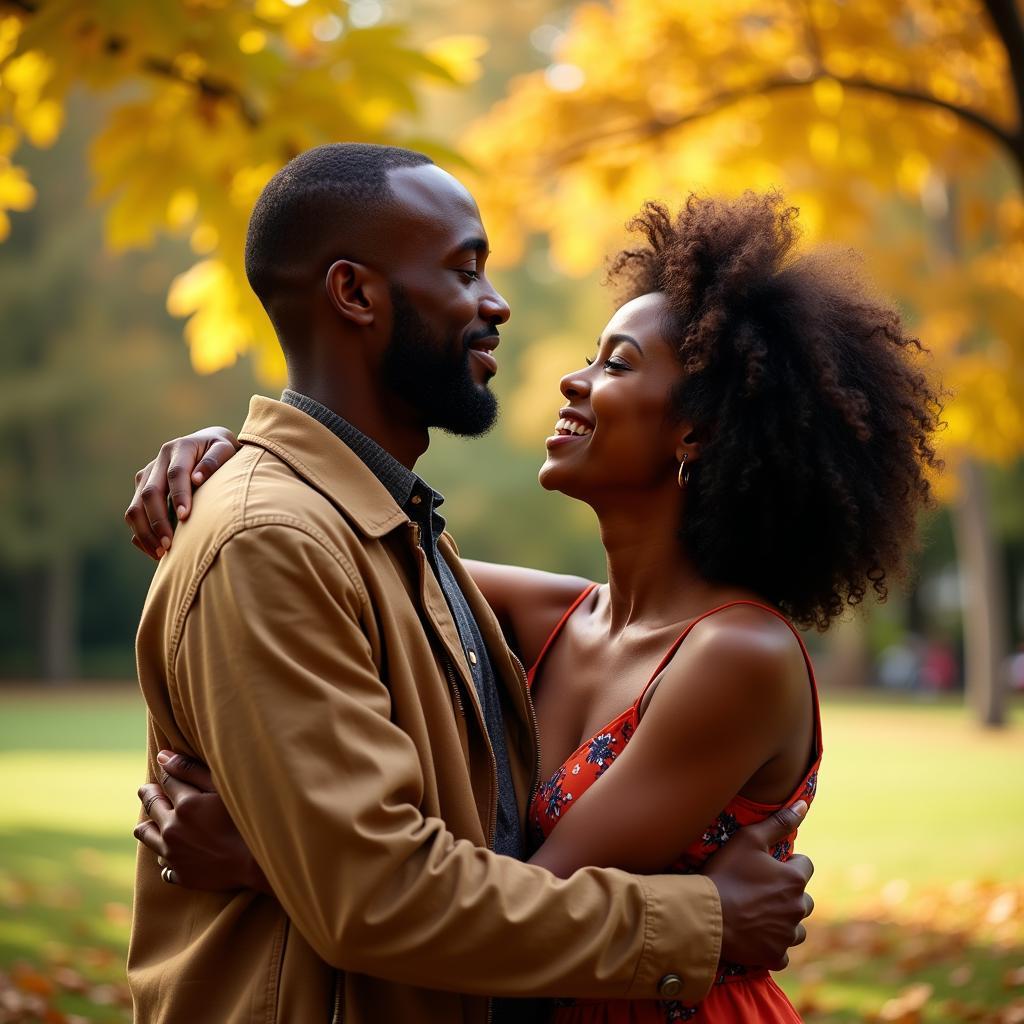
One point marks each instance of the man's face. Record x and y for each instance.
(434, 373)
(445, 312)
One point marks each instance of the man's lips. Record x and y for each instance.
(481, 349)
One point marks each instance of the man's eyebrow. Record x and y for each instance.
(475, 244)
(626, 338)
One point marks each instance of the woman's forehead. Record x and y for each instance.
(643, 316)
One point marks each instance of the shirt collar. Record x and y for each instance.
(399, 481)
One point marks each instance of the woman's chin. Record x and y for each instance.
(555, 477)
(546, 474)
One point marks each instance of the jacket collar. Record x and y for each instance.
(324, 461)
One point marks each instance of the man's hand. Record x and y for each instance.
(180, 466)
(190, 830)
(763, 899)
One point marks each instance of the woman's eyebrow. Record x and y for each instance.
(627, 338)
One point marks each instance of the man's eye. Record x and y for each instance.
(471, 275)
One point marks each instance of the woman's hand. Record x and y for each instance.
(189, 829)
(180, 466)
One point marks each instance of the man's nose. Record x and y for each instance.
(493, 308)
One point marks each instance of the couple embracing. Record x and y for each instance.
(362, 807)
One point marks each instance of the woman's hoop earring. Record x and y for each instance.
(684, 473)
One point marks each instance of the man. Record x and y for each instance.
(313, 637)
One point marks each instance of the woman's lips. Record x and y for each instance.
(489, 362)
(557, 440)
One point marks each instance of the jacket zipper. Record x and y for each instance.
(454, 685)
(338, 1016)
(533, 725)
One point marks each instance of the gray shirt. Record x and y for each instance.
(420, 502)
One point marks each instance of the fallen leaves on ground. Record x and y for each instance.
(944, 954)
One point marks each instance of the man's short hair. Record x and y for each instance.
(329, 191)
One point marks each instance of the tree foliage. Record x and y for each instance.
(208, 99)
(894, 126)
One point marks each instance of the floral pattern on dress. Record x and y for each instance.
(600, 751)
(810, 787)
(675, 1011)
(783, 850)
(553, 795)
(720, 831)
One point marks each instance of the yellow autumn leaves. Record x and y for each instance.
(208, 99)
(886, 124)
(881, 121)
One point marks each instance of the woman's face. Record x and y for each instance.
(614, 432)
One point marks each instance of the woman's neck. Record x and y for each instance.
(652, 582)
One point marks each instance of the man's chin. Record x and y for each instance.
(471, 422)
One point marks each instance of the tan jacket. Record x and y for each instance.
(295, 639)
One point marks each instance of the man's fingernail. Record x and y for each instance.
(182, 511)
(165, 543)
(197, 476)
(164, 756)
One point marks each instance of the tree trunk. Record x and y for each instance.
(60, 619)
(849, 655)
(986, 636)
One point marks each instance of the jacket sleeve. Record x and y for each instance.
(275, 679)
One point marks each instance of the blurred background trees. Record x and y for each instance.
(895, 127)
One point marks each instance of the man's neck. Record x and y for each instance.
(387, 420)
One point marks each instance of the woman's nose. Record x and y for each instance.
(574, 385)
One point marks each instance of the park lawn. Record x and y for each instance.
(917, 832)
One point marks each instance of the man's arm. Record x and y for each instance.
(277, 684)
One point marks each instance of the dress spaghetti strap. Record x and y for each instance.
(671, 652)
(587, 590)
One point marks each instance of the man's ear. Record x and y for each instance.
(356, 291)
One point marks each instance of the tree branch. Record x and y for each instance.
(1011, 142)
(1006, 20)
(208, 86)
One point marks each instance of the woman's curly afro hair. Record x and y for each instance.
(815, 420)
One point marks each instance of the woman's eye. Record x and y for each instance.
(588, 360)
(616, 364)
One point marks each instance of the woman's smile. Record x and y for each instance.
(571, 426)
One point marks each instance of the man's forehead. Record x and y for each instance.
(430, 200)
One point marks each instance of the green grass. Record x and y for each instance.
(917, 833)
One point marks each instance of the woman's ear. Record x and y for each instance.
(356, 291)
(689, 445)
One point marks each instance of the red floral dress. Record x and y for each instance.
(740, 995)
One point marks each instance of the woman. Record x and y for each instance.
(754, 438)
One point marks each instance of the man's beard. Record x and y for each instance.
(432, 374)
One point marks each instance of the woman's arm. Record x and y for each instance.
(179, 468)
(727, 705)
(527, 602)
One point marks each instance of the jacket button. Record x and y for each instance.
(670, 986)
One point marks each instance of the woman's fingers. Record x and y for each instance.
(137, 516)
(187, 770)
(148, 833)
(216, 455)
(155, 804)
